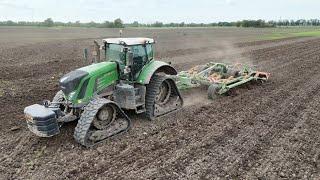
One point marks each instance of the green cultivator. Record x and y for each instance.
(219, 78)
(128, 78)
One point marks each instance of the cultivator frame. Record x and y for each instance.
(219, 77)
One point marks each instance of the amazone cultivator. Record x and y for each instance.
(219, 78)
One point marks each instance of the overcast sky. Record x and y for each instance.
(148, 11)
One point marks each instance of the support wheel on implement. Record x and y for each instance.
(213, 91)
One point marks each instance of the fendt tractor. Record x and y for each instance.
(127, 79)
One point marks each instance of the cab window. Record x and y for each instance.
(139, 54)
(150, 51)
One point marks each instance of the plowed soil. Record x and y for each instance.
(258, 131)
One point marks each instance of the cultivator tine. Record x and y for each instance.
(262, 75)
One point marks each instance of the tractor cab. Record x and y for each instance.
(131, 54)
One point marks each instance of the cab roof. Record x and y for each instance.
(129, 41)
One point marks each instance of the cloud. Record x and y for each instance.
(230, 2)
(15, 5)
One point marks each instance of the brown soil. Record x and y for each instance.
(266, 131)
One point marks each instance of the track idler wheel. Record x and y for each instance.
(164, 92)
(105, 116)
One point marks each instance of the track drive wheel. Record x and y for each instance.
(162, 96)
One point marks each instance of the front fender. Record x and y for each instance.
(155, 66)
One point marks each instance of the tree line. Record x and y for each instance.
(118, 23)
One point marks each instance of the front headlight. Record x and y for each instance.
(71, 96)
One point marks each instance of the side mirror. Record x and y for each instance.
(130, 59)
(96, 52)
(85, 54)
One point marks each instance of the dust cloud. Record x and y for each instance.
(230, 54)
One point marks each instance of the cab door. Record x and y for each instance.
(139, 59)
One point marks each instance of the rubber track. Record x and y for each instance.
(89, 113)
(152, 89)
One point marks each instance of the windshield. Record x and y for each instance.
(114, 52)
(141, 53)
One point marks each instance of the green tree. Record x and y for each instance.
(10, 23)
(135, 24)
(157, 24)
(77, 24)
(118, 23)
(107, 24)
(48, 22)
(92, 24)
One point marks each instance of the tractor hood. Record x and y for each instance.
(99, 67)
(70, 81)
(73, 81)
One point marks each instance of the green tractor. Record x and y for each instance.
(98, 95)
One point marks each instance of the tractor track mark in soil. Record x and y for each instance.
(289, 51)
(286, 124)
(269, 43)
(298, 138)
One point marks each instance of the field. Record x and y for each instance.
(266, 131)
